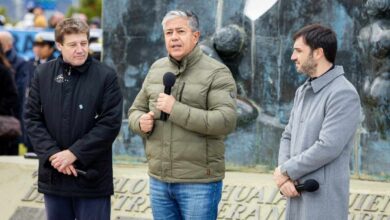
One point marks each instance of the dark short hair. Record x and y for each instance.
(318, 36)
(70, 26)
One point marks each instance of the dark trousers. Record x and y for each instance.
(70, 208)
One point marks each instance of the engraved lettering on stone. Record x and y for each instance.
(362, 198)
(242, 193)
(227, 192)
(119, 202)
(235, 211)
(31, 195)
(119, 185)
(138, 186)
(258, 195)
(222, 209)
(386, 204)
(274, 213)
(372, 203)
(135, 203)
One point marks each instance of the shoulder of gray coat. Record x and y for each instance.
(342, 84)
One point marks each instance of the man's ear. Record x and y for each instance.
(319, 53)
(59, 46)
(196, 36)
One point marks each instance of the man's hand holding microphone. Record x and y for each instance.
(290, 188)
(165, 102)
(285, 184)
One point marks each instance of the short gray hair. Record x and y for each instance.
(193, 21)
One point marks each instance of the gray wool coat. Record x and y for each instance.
(317, 143)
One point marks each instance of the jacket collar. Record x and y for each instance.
(325, 79)
(81, 69)
(192, 58)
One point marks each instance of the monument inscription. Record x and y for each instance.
(254, 201)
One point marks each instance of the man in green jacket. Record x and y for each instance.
(185, 153)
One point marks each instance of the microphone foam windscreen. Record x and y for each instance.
(169, 79)
(311, 185)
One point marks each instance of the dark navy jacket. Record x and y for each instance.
(22, 70)
(80, 109)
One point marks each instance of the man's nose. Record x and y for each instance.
(79, 48)
(293, 57)
(175, 35)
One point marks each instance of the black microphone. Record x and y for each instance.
(169, 80)
(89, 175)
(309, 185)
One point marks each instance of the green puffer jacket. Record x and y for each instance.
(189, 146)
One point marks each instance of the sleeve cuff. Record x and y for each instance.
(178, 113)
(283, 170)
(45, 158)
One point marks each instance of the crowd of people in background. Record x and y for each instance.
(35, 17)
(16, 71)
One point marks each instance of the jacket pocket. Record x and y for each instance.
(45, 175)
(94, 175)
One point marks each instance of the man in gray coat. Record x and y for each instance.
(318, 139)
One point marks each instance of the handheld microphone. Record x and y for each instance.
(169, 80)
(89, 175)
(309, 185)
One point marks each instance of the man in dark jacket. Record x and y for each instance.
(73, 115)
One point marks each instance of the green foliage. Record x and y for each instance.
(3, 11)
(91, 8)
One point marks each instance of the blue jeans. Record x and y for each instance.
(70, 208)
(184, 200)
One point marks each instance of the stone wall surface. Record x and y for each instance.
(261, 65)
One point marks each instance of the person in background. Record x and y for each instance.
(28, 18)
(56, 18)
(185, 153)
(40, 20)
(22, 70)
(318, 139)
(44, 51)
(44, 48)
(73, 115)
(80, 16)
(95, 23)
(95, 50)
(2, 20)
(8, 102)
